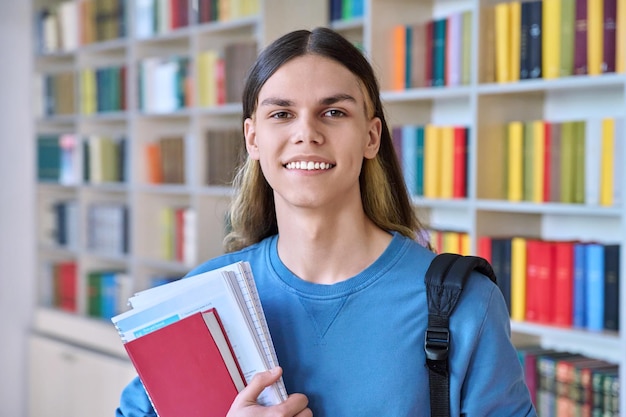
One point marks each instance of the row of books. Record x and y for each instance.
(154, 17)
(345, 9)
(59, 285)
(568, 162)
(433, 159)
(569, 384)
(561, 283)
(107, 228)
(556, 38)
(69, 24)
(449, 241)
(102, 89)
(221, 73)
(178, 227)
(165, 160)
(54, 94)
(107, 293)
(70, 159)
(164, 84)
(58, 224)
(435, 53)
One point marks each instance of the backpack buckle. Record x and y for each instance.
(436, 343)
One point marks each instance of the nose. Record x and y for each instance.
(308, 130)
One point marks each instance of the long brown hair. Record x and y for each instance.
(383, 192)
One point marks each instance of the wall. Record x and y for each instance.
(16, 204)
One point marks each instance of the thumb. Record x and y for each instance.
(259, 382)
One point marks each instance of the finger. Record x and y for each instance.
(256, 386)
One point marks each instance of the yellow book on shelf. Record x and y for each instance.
(551, 38)
(538, 160)
(446, 173)
(90, 92)
(451, 242)
(503, 43)
(167, 235)
(515, 35)
(620, 37)
(595, 30)
(432, 158)
(518, 278)
(606, 156)
(202, 79)
(515, 139)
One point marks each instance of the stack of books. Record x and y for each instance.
(197, 342)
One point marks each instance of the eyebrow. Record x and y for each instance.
(281, 102)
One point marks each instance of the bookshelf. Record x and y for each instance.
(152, 206)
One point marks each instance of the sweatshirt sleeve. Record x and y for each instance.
(494, 384)
(134, 401)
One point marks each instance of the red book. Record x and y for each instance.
(66, 286)
(459, 179)
(188, 367)
(484, 247)
(563, 253)
(538, 282)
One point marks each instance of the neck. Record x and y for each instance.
(327, 248)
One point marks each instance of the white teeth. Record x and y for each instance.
(308, 165)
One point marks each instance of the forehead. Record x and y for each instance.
(311, 76)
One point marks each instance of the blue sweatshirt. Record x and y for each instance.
(355, 348)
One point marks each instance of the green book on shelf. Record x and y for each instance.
(48, 158)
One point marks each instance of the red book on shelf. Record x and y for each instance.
(484, 247)
(563, 254)
(538, 281)
(459, 178)
(188, 367)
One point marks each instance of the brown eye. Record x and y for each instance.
(334, 113)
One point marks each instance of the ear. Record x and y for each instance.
(249, 131)
(374, 133)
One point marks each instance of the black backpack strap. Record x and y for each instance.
(444, 280)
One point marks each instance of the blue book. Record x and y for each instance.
(580, 298)
(594, 277)
(409, 157)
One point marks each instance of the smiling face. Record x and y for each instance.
(310, 133)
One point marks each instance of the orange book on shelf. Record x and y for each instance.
(154, 171)
(399, 54)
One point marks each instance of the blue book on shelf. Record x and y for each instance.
(409, 156)
(580, 298)
(594, 277)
